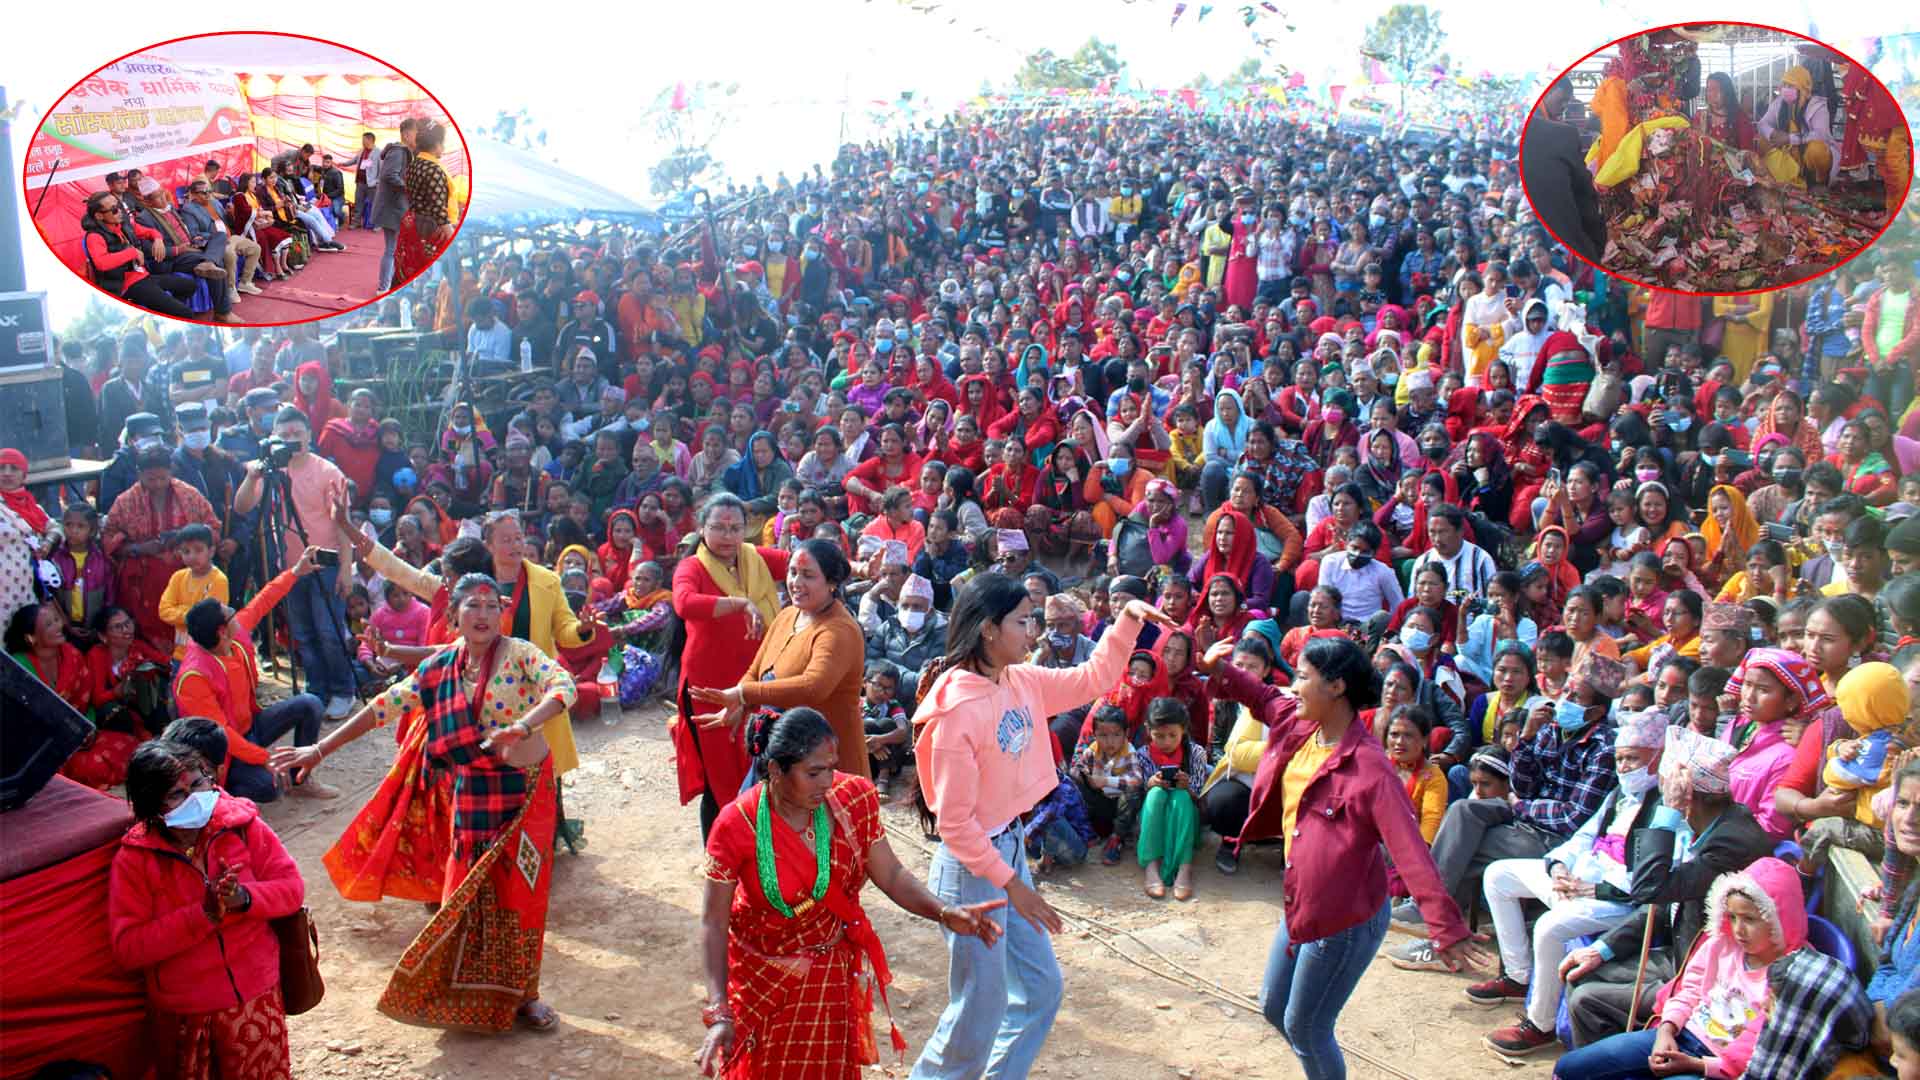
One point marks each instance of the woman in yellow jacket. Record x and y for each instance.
(540, 611)
(1744, 329)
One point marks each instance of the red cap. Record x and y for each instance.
(587, 296)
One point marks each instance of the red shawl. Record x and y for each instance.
(20, 500)
(1238, 563)
(614, 562)
(321, 407)
(989, 410)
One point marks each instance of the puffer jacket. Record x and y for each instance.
(158, 926)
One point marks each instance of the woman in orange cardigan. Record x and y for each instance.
(813, 654)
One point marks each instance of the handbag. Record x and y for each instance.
(1603, 396)
(301, 986)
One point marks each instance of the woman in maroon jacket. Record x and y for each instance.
(193, 886)
(1325, 782)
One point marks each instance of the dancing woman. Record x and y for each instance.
(783, 935)
(985, 761)
(1325, 782)
(476, 964)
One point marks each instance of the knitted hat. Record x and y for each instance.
(1734, 617)
(1707, 760)
(1645, 730)
(1603, 675)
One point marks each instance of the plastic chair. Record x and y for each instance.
(1829, 939)
(202, 301)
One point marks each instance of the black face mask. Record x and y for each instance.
(1790, 479)
(1138, 384)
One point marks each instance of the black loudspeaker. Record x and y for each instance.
(38, 732)
(33, 416)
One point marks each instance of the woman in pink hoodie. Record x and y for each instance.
(1714, 1011)
(193, 886)
(985, 761)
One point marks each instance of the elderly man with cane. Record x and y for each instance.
(1612, 983)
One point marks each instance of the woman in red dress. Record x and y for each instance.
(782, 932)
(726, 595)
(37, 639)
(426, 230)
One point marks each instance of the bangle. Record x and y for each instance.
(716, 1014)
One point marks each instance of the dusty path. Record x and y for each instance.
(622, 970)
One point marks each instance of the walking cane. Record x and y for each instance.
(1640, 973)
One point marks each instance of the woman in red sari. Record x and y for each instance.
(726, 595)
(135, 538)
(426, 229)
(36, 638)
(782, 932)
(476, 964)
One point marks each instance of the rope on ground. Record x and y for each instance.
(1104, 934)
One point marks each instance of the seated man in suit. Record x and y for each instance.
(207, 228)
(179, 254)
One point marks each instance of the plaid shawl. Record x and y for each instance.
(487, 792)
(1819, 1013)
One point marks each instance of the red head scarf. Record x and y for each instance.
(321, 407)
(1238, 562)
(20, 500)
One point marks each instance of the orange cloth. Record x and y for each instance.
(195, 698)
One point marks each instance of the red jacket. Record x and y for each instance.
(158, 926)
(1336, 875)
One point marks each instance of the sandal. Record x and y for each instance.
(1155, 888)
(537, 1015)
(1183, 883)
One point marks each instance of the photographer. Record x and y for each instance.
(316, 608)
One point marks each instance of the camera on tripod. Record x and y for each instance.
(277, 454)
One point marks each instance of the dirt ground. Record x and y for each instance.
(621, 962)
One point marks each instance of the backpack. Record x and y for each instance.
(1130, 547)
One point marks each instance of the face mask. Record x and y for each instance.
(1120, 466)
(1126, 189)
(912, 619)
(1646, 476)
(1138, 386)
(1710, 460)
(197, 440)
(1164, 175)
(775, 246)
(920, 188)
(1788, 478)
(380, 517)
(462, 430)
(1390, 378)
(1569, 714)
(748, 250)
(1247, 219)
(1060, 642)
(1358, 559)
(1416, 639)
(1637, 782)
(812, 254)
(1017, 192)
(1678, 421)
(1434, 452)
(884, 345)
(1789, 94)
(1835, 550)
(193, 812)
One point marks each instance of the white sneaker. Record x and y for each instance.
(249, 288)
(339, 707)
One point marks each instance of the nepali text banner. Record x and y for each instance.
(138, 110)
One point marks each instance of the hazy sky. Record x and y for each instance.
(588, 70)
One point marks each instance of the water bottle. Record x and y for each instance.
(406, 314)
(526, 355)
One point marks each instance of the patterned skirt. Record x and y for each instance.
(398, 844)
(413, 251)
(807, 1017)
(246, 1042)
(478, 959)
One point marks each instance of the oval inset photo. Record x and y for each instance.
(247, 179)
(1716, 158)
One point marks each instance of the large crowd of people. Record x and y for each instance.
(1103, 487)
(198, 250)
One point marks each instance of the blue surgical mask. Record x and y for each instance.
(1569, 714)
(1126, 189)
(1416, 639)
(193, 812)
(885, 344)
(1120, 466)
(1016, 192)
(1060, 642)
(920, 188)
(1390, 378)
(380, 516)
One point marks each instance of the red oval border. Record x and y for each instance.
(457, 130)
(1520, 149)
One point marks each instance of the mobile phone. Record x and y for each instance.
(1513, 292)
(325, 557)
(1553, 474)
(1168, 772)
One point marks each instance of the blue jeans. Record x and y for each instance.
(1214, 477)
(1621, 1057)
(300, 714)
(1305, 989)
(386, 257)
(317, 619)
(1061, 841)
(1892, 387)
(1001, 1001)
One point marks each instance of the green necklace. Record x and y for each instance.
(763, 856)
